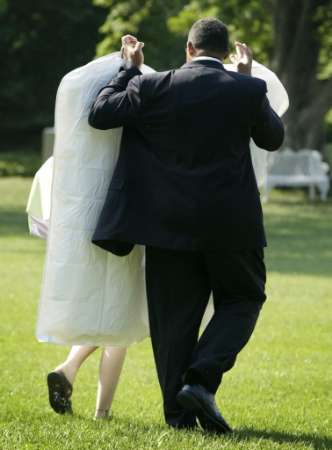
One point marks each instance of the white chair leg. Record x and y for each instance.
(312, 193)
(323, 189)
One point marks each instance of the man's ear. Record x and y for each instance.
(191, 49)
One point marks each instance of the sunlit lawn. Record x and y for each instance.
(277, 397)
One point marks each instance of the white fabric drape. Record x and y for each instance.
(88, 296)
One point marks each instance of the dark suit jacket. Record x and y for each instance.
(184, 179)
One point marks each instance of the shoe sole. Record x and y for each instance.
(56, 388)
(191, 403)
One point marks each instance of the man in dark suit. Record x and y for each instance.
(184, 187)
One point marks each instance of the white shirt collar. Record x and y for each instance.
(208, 58)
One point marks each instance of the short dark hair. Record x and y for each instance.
(210, 34)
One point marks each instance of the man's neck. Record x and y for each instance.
(207, 58)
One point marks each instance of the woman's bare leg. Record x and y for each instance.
(111, 363)
(77, 355)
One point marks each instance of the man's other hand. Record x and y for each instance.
(242, 59)
(132, 50)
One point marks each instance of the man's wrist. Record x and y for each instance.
(130, 67)
(244, 70)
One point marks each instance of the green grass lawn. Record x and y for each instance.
(278, 396)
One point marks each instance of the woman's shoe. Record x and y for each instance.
(59, 393)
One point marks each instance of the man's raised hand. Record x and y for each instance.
(242, 59)
(132, 50)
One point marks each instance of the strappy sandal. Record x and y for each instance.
(59, 393)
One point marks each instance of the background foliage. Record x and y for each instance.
(292, 36)
(41, 40)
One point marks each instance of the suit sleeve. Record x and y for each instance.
(118, 103)
(268, 129)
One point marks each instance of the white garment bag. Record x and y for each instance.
(88, 296)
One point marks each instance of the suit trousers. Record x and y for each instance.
(179, 285)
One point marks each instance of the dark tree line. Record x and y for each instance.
(41, 40)
(302, 58)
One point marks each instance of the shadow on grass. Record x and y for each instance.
(245, 434)
(318, 442)
(123, 427)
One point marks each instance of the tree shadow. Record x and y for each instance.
(317, 441)
(126, 424)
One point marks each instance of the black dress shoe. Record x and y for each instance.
(180, 419)
(200, 401)
(189, 426)
(59, 393)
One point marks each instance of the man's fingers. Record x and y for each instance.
(245, 48)
(138, 46)
(243, 58)
(238, 49)
(128, 39)
(243, 51)
(131, 50)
